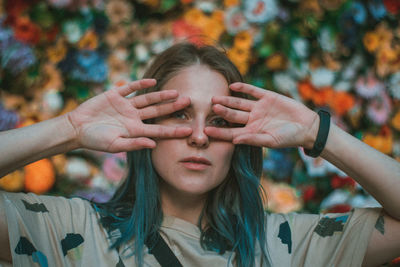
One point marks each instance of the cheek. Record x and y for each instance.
(223, 153)
(162, 154)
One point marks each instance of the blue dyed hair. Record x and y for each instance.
(234, 209)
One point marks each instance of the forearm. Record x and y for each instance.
(375, 172)
(28, 144)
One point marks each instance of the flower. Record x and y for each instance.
(394, 85)
(278, 163)
(342, 102)
(331, 4)
(377, 9)
(115, 35)
(72, 30)
(280, 197)
(119, 11)
(371, 41)
(8, 119)
(300, 47)
(182, 30)
(26, 31)
(260, 11)
(240, 58)
(336, 197)
(323, 96)
(17, 56)
(382, 142)
(58, 52)
(39, 176)
(235, 21)
(60, 3)
(327, 39)
(322, 77)
(89, 41)
(393, 6)
(231, 3)
(286, 84)
(306, 90)
(379, 108)
(195, 17)
(368, 86)
(396, 121)
(318, 167)
(276, 61)
(243, 40)
(90, 67)
(359, 12)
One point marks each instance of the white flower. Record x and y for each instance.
(343, 86)
(286, 84)
(72, 30)
(235, 21)
(77, 168)
(394, 85)
(318, 167)
(52, 101)
(322, 77)
(260, 11)
(299, 71)
(368, 86)
(327, 40)
(300, 47)
(337, 196)
(141, 52)
(206, 6)
(360, 201)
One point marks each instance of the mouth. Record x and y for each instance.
(195, 163)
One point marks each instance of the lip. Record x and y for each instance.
(195, 163)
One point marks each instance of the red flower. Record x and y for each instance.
(15, 8)
(393, 6)
(309, 193)
(338, 182)
(182, 30)
(339, 208)
(26, 31)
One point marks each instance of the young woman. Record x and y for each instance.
(194, 132)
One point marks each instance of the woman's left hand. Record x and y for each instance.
(272, 120)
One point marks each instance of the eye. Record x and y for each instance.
(178, 115)
(219, 122)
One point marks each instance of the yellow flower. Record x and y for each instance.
(119, 11)
(276, 61)
(382, 143)
(239, 57)
(385, 57)
(371, 41)
(115, 35)
(231, 3)
(89, 41)
(396, 121)
(57, 53)
(213, 30)
(52, 77)
(195, 17)
(243, 40)
(13, 182)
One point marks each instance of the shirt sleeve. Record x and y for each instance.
(335, 239)
(52, 231)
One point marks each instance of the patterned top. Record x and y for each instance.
(56, 231)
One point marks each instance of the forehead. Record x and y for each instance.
(199, 82)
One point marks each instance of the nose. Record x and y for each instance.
(198, 138)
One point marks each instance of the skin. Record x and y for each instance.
(183, 190)
(112, 122)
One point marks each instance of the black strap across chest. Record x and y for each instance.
(163, 253)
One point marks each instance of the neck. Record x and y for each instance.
(182, 205)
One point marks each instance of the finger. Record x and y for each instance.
(161, 131)
(234, 102)
(226, 134)
(255, 140)
(248, 89)
(231, 115)
(129, 144)
(163, 109)
(142, 101)
(134, 86)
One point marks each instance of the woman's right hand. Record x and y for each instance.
(112, 122)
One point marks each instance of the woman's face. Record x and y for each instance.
(196, 164)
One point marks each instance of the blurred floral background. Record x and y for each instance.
(343, 56)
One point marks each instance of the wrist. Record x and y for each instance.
(70, 132)
(312, 132)
(322, 136)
